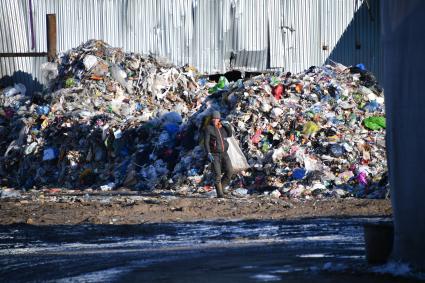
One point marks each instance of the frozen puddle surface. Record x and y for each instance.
(246, 251)
(25, 239)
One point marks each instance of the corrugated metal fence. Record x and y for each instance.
(212, 35)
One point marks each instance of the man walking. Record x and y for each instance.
(216, 148)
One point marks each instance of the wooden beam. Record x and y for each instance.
(24, 54)
(51, 37)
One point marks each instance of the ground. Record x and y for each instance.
(135, 208)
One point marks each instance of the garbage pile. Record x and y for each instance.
(318, 134)
(110, 119)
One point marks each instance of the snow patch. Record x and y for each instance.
(329, 266)
(248, 267)
(99, 276)
(266, 277)
(313, 256)
(288, 269)
(393, 268)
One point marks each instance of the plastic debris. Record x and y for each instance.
(16, 89)
(275, 194)
(310, 128)
(49, 154)
(89, 62)
(375, 123)
(220, 86)
(49, 71)
(298, 173)
(240, 192)
(107, 187)
(9, 193)
(337, 150)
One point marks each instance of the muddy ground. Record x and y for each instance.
(133, 208)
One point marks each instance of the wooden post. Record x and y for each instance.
(51, 37)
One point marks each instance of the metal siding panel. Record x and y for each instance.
(15, 37)
(251, 32)
(201, 32)
(276, 35)
(353, 24)
(213, 32)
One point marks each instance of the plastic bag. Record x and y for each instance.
(277, 91)
(50, 154)
(298, 173)
(221, 85)
(276, 112)
(372, 106)
(336, 150)
(17, 88)
(49, 71)
(310, 128)
(121, 77)
(89, 62)
(237, 158)
(172, 117)
(375, 123)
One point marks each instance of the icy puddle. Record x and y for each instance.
(313, 250)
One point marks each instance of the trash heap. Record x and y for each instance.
(110, 119)
(319, 133)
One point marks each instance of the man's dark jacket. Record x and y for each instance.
(215, 138)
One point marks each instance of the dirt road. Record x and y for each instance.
(136, 209)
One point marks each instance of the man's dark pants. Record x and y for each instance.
(222, 164)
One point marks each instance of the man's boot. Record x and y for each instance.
(225, 185)
(219, 190)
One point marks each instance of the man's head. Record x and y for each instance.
(215, 117)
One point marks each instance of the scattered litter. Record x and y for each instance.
(240, 192)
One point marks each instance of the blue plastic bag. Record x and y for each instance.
(172, 129)
(298, 173)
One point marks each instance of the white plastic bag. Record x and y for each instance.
(17, 88)
(49, 71)
(237, 158)
(89, 62)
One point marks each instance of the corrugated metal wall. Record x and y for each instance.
(213, 35)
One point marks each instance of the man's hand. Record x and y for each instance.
(210, 157)
(228, 127)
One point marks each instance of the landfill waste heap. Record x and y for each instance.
(112, 119)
